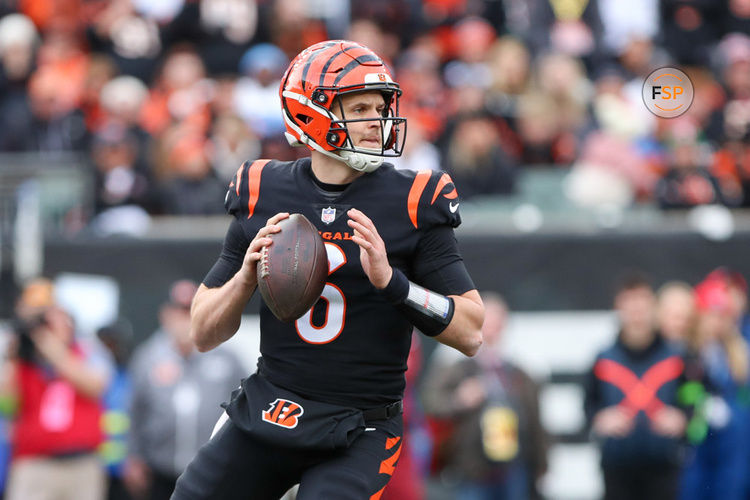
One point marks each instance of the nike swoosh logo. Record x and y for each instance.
(453, 207)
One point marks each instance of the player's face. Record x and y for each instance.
(364, 134)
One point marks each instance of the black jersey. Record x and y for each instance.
(351, 348)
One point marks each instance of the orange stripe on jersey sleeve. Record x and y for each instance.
(444, 181)
(253, 185)
(238, 179)
(415, 193)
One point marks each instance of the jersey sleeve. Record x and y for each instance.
(244, 190)
(438, 265)
(433, 200)
(231, 257)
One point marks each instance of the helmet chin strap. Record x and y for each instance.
(361, 162)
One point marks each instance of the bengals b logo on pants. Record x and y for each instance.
(283, 413)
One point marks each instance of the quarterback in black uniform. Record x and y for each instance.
(324, 408)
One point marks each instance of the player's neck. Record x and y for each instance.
(331, 171)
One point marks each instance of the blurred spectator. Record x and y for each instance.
(475, 158)
(498, 447)
(470, 43)
(18, 41)
(232, 142)
(732, 163)
(688, 182)
(563, 78)
(180, 94)
(56, 381)
(56, 125)
(63, 58)
(220, 29)
(509, 62)
(132, 41)
(176, 398)
(256, 95)
(572, 28)
(734, 53)
(291, 27)
(424, 94)
(737, 18)
(119, 180)
(717, 468)
(630, 404)
(189, 185)
(675, 312)
(118, 339)
(539, 126)
(122, 100)
(689, 29)
(368, 32)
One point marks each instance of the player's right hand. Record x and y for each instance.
(252, 255)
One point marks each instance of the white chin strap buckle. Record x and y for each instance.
(361, 162)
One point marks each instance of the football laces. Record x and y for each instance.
(264, 262)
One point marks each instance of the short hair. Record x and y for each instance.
(632, 280)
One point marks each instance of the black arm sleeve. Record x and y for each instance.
(232, 255)
(438, 265)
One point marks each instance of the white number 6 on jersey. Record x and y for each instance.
(335, 305)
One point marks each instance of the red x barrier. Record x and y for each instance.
(640, 393)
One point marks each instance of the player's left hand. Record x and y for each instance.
(372, 252)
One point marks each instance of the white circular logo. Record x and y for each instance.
(667, 92)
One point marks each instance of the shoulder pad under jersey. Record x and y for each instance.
(433, 200)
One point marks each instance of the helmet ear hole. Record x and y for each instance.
(303, 118)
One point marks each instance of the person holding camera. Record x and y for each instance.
(53, 383)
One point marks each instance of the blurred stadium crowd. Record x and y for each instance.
(170, 97)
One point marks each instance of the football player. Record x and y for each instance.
(324, 408)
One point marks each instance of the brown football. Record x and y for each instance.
(293, 270)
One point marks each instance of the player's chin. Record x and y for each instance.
(369, 144)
